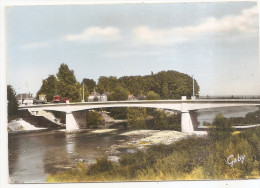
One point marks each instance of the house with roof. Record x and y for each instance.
(95, 96)
(25, 99)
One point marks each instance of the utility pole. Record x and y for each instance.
(193, 85)
(83, 100)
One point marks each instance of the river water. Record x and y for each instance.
(32, 156)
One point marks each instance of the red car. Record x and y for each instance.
(59, 99)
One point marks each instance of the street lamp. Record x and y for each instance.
(21, 96)
(193, 89)
(193, 85)
(83, 100)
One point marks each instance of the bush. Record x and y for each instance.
(102, 165)
(118, 94)
(220, 128)
(117, 113)
(151, 95)
(93, 118)
(136, 118)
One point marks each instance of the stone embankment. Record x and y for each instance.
(29, 122)
(21, 125)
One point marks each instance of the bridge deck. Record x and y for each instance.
(197, 101)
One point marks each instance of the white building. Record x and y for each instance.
(25, 99)
(95, 96)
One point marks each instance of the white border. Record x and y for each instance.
(3, 106)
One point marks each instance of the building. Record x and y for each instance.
(25, 99)
(95, 96)
(131, 97)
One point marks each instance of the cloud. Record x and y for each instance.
(128, 54)
(245, 22)
(34, 45)
(95, 34)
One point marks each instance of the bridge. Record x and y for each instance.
(75, 115)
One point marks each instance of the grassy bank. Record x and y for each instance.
(190, 159)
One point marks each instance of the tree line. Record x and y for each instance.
(162, 85)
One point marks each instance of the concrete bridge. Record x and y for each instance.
(75, 115)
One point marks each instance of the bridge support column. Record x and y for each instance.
(186, 122)
(71, 123)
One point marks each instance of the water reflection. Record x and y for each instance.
(24, 156)
(70, 143)
(208, 115)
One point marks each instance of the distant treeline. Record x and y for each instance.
(167, 84)
(163, 85)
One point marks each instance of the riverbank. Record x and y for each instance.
(194, 158)
(20, 125)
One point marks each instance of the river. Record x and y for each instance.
(32, 156)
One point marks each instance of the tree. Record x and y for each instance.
(117, 113)
(67, 84)
(12, 103)
(165, 91)
(49, 87)
(93, 118)
(221, 128)
(136, 118)
(107, 84)
(118, 94)
(90, 83)
(152, 96)
(168, 84)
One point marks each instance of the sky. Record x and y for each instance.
(217, 43)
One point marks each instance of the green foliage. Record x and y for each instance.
(190, 159)
(49, 87)
(163, 121)
(174, 122)
(59, 115)
(118, 94)
(168, 84)
(67, 84)
(250, 119)
(136, 118)
(165, 85)
(151, 95)
(221, 128)
(12, 103)
(107, 84)
(90, 84)
(93, 118)
(102, 165)
(160, 119)
(117, 113)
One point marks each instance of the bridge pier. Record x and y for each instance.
(186, 122)
(71, 123)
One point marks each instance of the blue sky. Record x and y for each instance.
(218, 43)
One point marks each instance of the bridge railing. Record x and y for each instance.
(230, 97)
